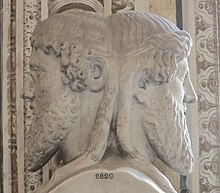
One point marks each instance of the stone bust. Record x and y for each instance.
(109, 85)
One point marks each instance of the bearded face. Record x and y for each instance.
(50, 127)
(53, 106)
(162, 117)
(63, 118)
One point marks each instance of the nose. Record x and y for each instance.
(190, 95)
(28, 91)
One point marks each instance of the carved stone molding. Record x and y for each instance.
(8, 97)
(55, 6)
(32, 16)
(207, 55)
(1, 132)
(12, 111)
(122, 5)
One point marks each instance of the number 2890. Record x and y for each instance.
(104, 176)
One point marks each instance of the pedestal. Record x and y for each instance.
(114, 175)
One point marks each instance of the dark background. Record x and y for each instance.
(179, 18)
(1, 137)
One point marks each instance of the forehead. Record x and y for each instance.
(39, 58)
(75, 27)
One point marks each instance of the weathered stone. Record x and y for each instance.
(117, 84)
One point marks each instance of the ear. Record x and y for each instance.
(96, 74)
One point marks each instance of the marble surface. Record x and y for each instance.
(114, 175)
(120, 84)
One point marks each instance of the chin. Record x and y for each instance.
(168, 135)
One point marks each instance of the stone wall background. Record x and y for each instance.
(18, 19)
(165, 8)
(208, 77)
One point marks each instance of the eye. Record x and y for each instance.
(183, 76)
(146, 80)
(36, 70)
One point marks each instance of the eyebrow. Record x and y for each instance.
(40, 67)
(32, 65)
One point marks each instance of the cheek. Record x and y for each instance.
(48, 82)
(151, 98)
(43, 86)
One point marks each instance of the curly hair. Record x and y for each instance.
(147, 37)
(142, 36)
(79, 51)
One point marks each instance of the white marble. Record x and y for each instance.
(116, 84)
(112, 175)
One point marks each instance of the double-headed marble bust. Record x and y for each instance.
(110, 94)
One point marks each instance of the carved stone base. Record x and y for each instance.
(113, 175)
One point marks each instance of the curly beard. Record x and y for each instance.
(50, 126)
(166, 129)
